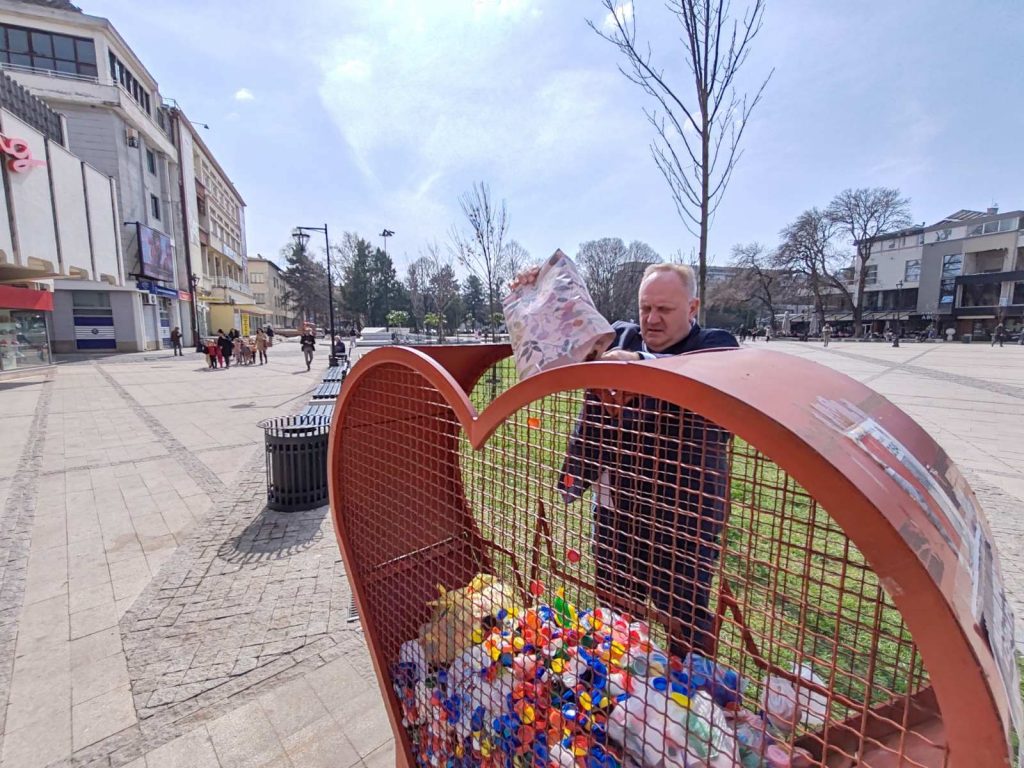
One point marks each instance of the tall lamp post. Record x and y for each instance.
(899, 304)
(386, 234)
(301, 238)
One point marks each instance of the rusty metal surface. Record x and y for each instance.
(859, 510)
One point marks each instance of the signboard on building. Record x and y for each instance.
(156, 255)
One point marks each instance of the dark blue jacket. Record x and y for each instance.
(661, 460)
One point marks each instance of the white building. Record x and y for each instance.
(116, 122)
(964, 272)
(58, 222)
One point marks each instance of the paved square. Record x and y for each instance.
(153, 613)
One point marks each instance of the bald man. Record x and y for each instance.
(659, 473)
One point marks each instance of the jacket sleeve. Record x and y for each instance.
(590, 448)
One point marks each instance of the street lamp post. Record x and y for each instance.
(301, 238)
(386, 234)
(899, 304)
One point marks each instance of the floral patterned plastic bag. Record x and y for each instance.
(554, 321)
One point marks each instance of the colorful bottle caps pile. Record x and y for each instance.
(548, 686)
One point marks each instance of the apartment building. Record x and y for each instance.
(268, 290)
(964, 272)
(213, 236)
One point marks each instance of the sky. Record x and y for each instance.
(373, 114)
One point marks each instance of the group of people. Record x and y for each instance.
(753, 333)
(245, 350)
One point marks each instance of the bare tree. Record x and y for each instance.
(697, 139)
(864, 214)
(482, 250)
(441, 286)
(808, 249)
(759, 280)
(612, 272)
(515, 258)
(600, 261)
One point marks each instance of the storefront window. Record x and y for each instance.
(24, 342)
(986, 295)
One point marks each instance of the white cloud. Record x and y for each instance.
(622, 12)
(244, 94)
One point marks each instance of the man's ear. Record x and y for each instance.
(694, 308)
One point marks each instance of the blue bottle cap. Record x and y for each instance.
(659, 684)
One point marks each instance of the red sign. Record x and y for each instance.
(25, 298)
(20, 152)
(184, 296)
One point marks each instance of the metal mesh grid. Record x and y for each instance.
(699, 539)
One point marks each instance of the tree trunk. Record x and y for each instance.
(704, 206)
(858, 306)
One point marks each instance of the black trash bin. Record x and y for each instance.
(296, 462)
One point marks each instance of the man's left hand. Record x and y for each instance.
(621, 355)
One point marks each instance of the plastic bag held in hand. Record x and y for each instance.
(554, 322)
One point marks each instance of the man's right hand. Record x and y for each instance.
(527, 277)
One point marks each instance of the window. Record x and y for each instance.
(952, 265)
(257, 277)
(154, 206)
(871, 274)
(44, 50)
(1018, 294)
(991, 227)
(985, 295)
(912, 271)
(943, 234)
(260, 298)
(1008, 225)
(151, 161)
(120, 74)
(890, 244)
(920, 239)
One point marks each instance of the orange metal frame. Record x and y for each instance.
(774, 402)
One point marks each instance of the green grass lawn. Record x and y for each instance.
(805, 592)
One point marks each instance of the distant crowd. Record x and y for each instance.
(246, 350)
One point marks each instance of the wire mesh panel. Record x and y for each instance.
(596, 575)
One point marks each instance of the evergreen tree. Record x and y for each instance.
(306, 284)
(474, 302)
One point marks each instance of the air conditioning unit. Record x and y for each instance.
(132, 137)
(149, 299)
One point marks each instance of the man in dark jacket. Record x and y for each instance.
(308, 344)
(660, 473)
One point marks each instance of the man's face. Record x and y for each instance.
(667, 310)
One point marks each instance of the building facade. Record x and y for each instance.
(268, 290)
(58, 221)
(219, 258)
(965, 272)
(182, 223)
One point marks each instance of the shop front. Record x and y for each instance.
(246, 318)
(24, 328)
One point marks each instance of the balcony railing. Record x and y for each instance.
(50, 73)
(234, 285)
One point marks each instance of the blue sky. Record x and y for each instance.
(378, 113)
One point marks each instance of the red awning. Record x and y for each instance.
(25, 298)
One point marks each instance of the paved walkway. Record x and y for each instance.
(970, 398)
(153, 613)
(130, 635)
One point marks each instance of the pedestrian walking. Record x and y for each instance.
(261, 344)
(826, 334)
(308, 343)
(226, 346)
(997, 334)
(176, 341)
(270, 335)
(767, 334)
